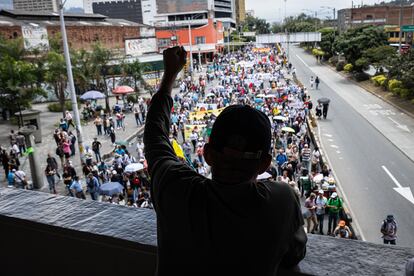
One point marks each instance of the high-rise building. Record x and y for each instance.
(129, 10)
(35, 5)
(240, 11)
(196, 12)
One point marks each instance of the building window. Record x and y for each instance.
(164, 42)
(369, 17)
(200, 40)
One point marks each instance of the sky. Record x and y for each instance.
(276, 10)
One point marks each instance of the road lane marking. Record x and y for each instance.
(339, 187)
(327, 135)
(338, 152)
(302, 61)
(404, 191)
(334, 146)
(330, 140)
(403, 127)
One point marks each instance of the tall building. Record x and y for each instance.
(180, 13)
(130, 10)
(36, 5)
(240, 7)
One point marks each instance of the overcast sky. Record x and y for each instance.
(274, 10)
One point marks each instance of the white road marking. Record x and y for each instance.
(327, 135)
(392, 177)
(403, 127)
(302, 61)
(330, 140)
(338, 152)
(339, 187)
(334, 146)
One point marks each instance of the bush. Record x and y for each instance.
(379, 80)
(317, 52)
(333, 60)
(55, 107)
(360, 76)
(394, 84)
(340, 66)
(361, 64)
(132, 98)
(348, 67)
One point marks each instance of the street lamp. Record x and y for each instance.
(190, 18)
(70, 79)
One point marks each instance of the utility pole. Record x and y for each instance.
(400, 23)
(70, 80)
(191, 47)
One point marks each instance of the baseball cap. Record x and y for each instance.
(320, 192)
(333, 195)
(242, 132)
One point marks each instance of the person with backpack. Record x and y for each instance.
(335, 205)
(305, 183)
(389, 230)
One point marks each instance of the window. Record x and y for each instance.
(164, 42)
(369, 17)
(200, 40)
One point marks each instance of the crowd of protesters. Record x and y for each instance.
(260, 77)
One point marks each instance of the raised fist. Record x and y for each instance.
(174, 60)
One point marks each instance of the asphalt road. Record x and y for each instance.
(369, 145)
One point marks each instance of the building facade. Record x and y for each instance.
(35, 5)
(378, 15)
(83, 30)
(130, 10)
(240, 7)
(206, 40)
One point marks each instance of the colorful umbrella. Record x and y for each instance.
(123, 90)
(92, 95)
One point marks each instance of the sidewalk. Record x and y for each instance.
(49, 122)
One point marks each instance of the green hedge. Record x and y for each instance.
(379, 80)
(55, 107)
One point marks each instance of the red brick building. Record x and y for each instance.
(206, 39)
(83, 30)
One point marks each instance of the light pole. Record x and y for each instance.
(400, 23)
(191, 47)
(70, 80)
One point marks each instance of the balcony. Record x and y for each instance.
(60, 235)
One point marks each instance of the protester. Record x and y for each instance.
(237, 151)
(96, 147)
(76, 188)
(334, 204)
(342, 231)
(311, 214)
(320, 203)
(93, 186)
(389, 230)
(50, 173)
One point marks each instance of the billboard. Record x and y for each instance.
(178, 6)
(140, 46)
(291, 37)
(35, 37)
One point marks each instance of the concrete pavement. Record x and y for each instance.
(369, 148)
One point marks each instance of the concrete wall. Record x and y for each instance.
(54, 235)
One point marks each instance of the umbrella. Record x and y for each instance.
(92, 95)
(111, 188)
(121, 143)
(279, 118)
(264, 175)
(270, 96)
(288, 129)
(123, 90)
(260, 95)
(134, 167)
(324, 100)
(210, 95)
(258, 100)
(318, 178)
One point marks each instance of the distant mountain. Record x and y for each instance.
(6, 4)
(74, 10)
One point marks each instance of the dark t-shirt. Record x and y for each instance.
(209, 228)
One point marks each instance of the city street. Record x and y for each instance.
(370, 146)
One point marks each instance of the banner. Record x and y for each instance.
(35, 37)
(140, 46)
(199, 115)
(188, 129)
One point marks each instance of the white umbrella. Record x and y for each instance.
(318, 178)
(264, 175)
(270, 96)
(134, 167)
(280, 118)
(210, 95)
(260, 95)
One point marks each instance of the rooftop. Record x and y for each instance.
(118, 233)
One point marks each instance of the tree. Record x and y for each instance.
(328, 36)
(255, 24)
(19, 83)
(354, 42)
(401, 67)
(134, 70)
(56, 76)
(100, 58)
(82, 70)
(379, 56)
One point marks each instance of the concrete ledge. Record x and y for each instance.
(70, 233)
